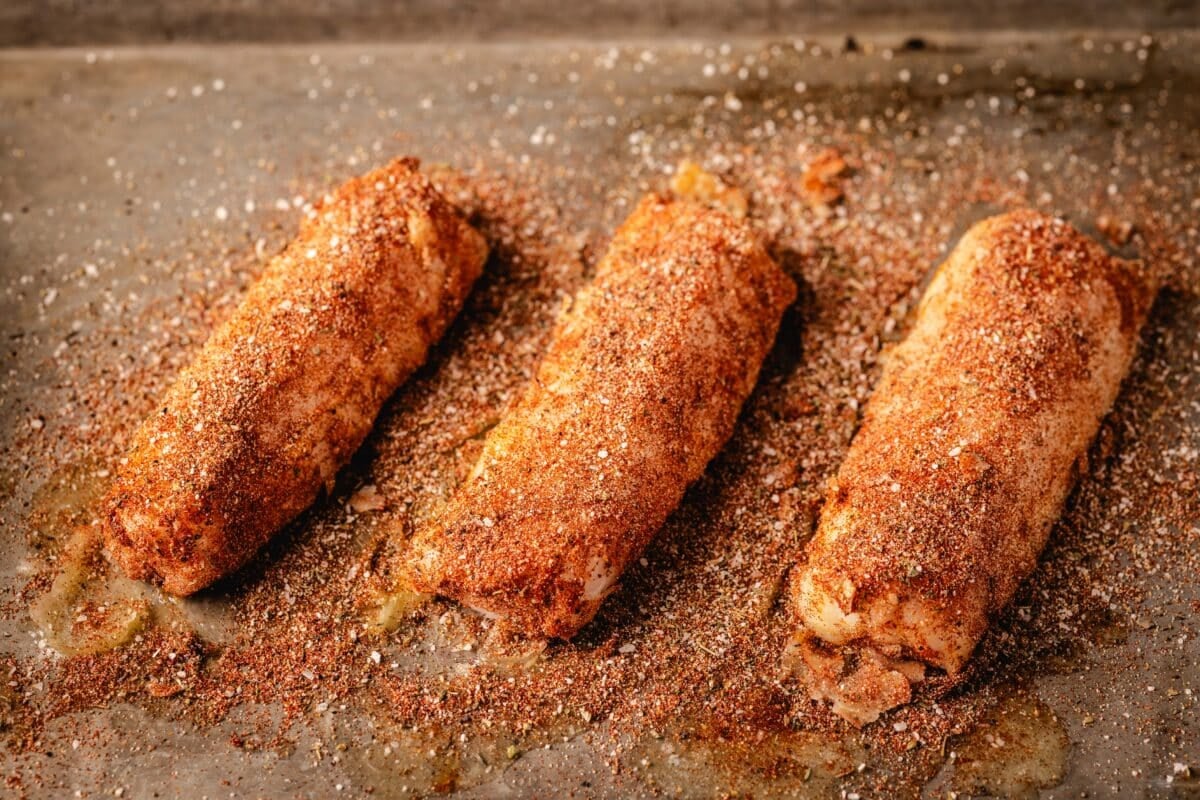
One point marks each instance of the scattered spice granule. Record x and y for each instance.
(821, 180)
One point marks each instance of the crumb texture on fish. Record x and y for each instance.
(640, 387)
(966, 453)
(288, 387)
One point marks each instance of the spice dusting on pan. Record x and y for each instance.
(313, 654)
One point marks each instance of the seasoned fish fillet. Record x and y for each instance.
(967, 451)
(640, 387)
(284, 391)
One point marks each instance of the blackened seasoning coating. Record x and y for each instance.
(287, 388)
(640, 387)
(968, 449)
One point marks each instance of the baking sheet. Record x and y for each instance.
(118, 166)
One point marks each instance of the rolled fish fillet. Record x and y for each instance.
(288, 387)
(640, 387)
(967, 451)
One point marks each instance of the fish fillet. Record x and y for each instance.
(967, 451)
(288, 387)
(640, 387)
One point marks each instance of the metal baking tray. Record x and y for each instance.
(137, 183)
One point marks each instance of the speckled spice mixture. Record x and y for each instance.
(141, 190)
